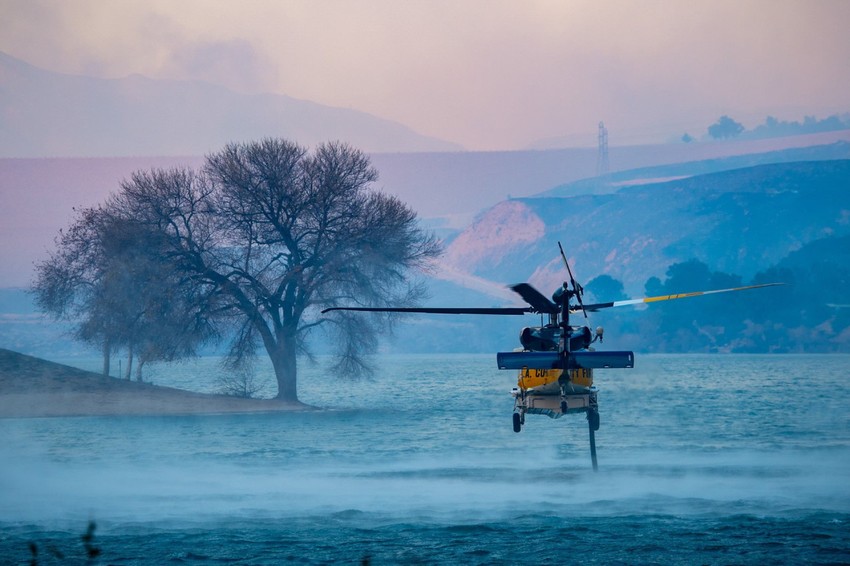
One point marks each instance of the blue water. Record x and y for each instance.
(715, 459)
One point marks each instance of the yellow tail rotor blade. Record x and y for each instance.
(599, 306)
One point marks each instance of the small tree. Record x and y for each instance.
(240, 382)
(725, 127)
(605, 288)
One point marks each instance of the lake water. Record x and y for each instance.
(716, 459)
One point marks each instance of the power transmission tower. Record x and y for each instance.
(602, 155)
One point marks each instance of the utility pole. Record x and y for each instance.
(602, 155)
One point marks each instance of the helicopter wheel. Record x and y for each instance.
(517, 422)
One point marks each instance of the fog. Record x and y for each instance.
(473, 487)
(681, 435)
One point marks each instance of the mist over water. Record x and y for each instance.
(424, 454)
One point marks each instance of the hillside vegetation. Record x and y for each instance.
(741, 221)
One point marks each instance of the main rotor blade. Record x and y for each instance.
(501, 311)
(535, 298)
(577, 289)
(600, 306)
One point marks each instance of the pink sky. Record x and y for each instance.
(487, 74)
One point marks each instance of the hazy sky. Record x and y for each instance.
(487, 74)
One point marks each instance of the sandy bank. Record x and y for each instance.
(32, 387)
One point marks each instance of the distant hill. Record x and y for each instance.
(739, 221)
(614, 181)
(46, 114)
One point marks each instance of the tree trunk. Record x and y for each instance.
(129, 371)
(106, 352)
(285, 370)
(139, 365)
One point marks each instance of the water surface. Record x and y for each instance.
(709, 459)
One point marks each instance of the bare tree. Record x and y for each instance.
(110, 277)
(271, 234)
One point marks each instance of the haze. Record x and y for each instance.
(485, 74)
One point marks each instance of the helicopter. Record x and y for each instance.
(556, 360)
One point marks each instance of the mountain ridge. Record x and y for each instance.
(55, 114)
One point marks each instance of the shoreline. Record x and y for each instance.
(31, 387)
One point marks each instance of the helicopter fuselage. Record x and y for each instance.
(543, 392)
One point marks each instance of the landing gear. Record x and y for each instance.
(519, 408)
